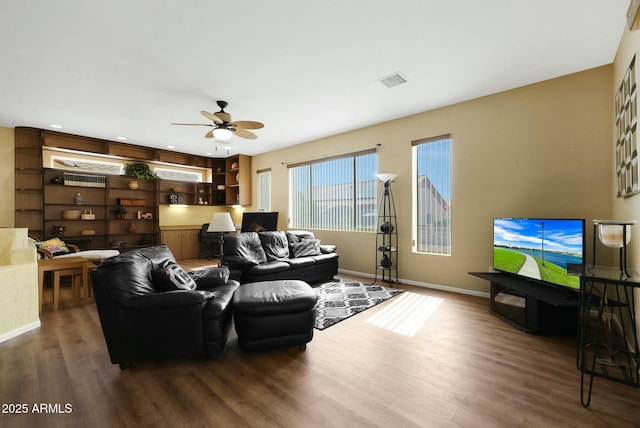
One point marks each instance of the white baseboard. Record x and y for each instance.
(424, 284)
(18, 331)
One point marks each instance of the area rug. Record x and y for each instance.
(338, 301)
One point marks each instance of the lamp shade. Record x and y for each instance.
(221, 222)
(385, 177)
(222, 133)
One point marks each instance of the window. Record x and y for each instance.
(432, 195)
(335, 194)
(264, 190)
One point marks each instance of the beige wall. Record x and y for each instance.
(19, 285)
(193, 215)
(541, 150)
(7, 177)
(625, 208)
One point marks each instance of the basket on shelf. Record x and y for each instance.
(71, 215)
(87, 215)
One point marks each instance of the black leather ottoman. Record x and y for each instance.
(271, 314)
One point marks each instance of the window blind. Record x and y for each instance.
(432, 199)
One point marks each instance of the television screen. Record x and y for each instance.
(539, 248)
(257, 222)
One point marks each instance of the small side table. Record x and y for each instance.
(608, 345)
(63, 265)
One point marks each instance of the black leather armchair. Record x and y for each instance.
(141, 321)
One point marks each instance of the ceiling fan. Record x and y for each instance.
(223, 127)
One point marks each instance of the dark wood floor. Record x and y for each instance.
(440, 359)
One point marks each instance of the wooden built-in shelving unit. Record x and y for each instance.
(42, 194)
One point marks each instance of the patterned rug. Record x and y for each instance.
(338, 301)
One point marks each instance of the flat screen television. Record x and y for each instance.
(539, 249)
(259, 221)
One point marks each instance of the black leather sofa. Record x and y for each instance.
(150, 309)
(275, 255)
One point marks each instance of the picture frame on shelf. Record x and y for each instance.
(145, 215)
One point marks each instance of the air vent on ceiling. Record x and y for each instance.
(393, 80)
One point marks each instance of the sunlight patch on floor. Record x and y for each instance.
(406, 313)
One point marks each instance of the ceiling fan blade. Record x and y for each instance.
(209, 134)
(222, 116)
(248, 124)
(193, 124)
(243, 133)
(211, 116)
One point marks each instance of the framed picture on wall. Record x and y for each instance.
(626, 144)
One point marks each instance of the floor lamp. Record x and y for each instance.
(221, 223)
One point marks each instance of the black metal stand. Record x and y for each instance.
(387, 238)
(608, 337)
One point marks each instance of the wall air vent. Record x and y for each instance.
(393, 80)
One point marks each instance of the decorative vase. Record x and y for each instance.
(386, 262)
(386, 227)
(133, 184)
(132, 227)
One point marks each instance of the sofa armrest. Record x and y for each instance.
(327, 249)
(237, 262)
(171, 299)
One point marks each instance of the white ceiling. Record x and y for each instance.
(123, 68)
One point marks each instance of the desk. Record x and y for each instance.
(608, 337)
(62, 264)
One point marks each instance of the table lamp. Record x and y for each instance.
(220, 223)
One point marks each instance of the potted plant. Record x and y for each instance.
(119, 212)
(140, 170)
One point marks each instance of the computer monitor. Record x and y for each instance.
(259, 221)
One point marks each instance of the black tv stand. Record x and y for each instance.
(530, 306)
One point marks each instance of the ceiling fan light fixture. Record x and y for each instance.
(222, 133)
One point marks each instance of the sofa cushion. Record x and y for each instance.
(305, 248)
(269, 268)
(246, 246)
(210, 277)
(274, 244)
(300, 262)
(170, 276)
(327, 249)
(294, 236)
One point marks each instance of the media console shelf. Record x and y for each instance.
(532, 307)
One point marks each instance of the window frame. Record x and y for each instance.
(264, 180)
(314, 222)
(414, 196)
